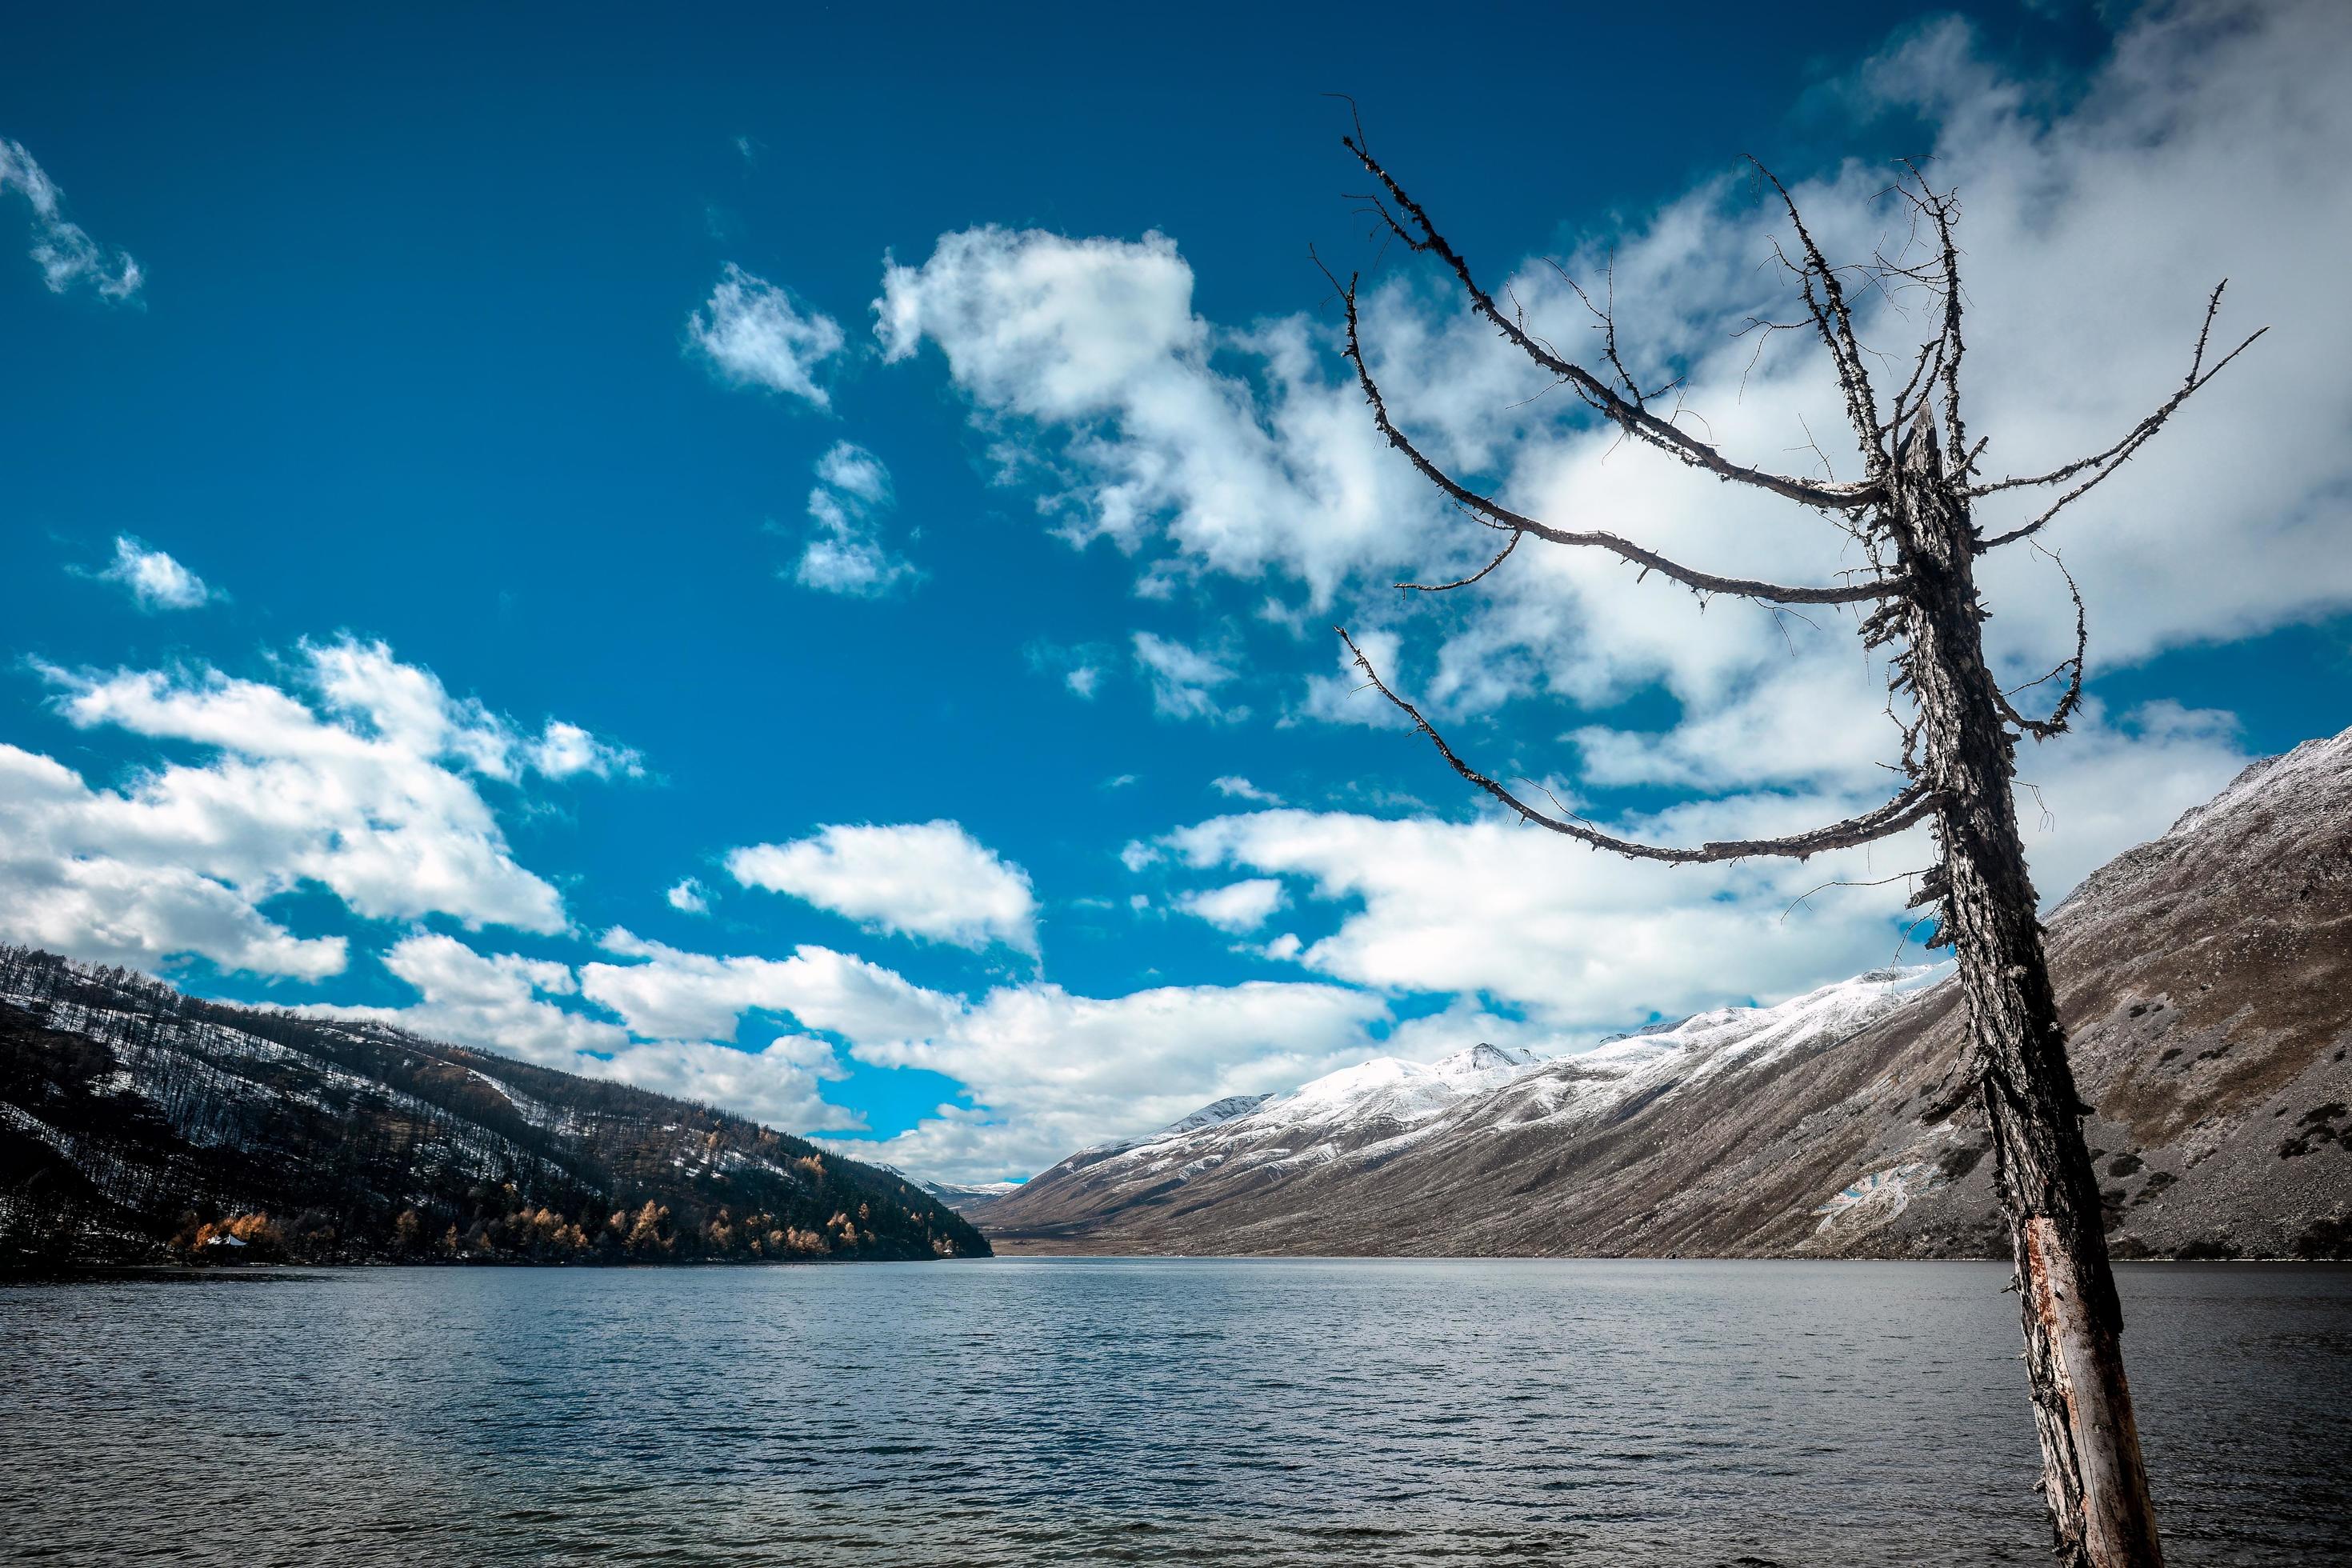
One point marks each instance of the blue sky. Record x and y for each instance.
(452, 371)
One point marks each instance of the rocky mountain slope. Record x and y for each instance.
(138, 1123)
(2206, 978)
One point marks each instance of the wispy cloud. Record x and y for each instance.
(1184, 680)
(69, 257)
(1233, 786)
(846, 553)
(754, 334)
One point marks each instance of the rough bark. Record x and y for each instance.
(1957, 755)
(2096, 1485)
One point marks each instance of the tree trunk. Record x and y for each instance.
(2096, 1485)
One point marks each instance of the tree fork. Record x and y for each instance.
(2094, 1480)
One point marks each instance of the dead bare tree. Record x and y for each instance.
(1912, 510)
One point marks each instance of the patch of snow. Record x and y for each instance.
(1882, 1193)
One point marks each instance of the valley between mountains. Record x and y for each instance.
(2206, 978)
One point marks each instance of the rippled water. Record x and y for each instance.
(1111, 1411)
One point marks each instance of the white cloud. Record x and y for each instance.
(368, 789)
(689, 896)
(561, 750)
(846, 553)
(68, 256)
(775, 1084)
(156, 580)
(1236, 907)
(1591, 942)
(502, 1003)
(1347, 698)
(1080, 668)
(1234, 787)
(1051, 1072)
(1092, 343)
(2208, 145)
(61, 887)
(1185, 679)
(930, 879)
(674, 994)
(755, 335)
(1048, 1070)
(496, 1002)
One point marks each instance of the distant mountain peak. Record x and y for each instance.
(2206, 989)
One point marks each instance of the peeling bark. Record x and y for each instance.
(1957, 759)
(2095, 1482)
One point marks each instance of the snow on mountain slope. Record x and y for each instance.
(1216, 1110)
(1673, 1057)
(1365, 1116)
(2206, 981)
(1387, 1089)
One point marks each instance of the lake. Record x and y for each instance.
(1102, 1410)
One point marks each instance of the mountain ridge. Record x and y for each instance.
(2206, 977)
(141, 1124)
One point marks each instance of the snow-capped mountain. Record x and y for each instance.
(2207, 982)
(966, 1198)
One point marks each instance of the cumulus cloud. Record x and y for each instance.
(755, 335)
(1046, 1070)
(846, 553)
(78, 878)
(497, 1001)
(561, 750)
(929, 879)
(689, 896)
(1092, 347)
(506, 1003)
(2096, 218)
(1236, 907)
(676, 993)
(68, 256)
(364, 780)
(156, 580)
(1591, 942)
(1051, 1072)
(2207, 145)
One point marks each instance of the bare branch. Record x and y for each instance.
(1517, 535)
(1910, 806)
(2046, 729)
(1841, 883)
(1835, 324)
(1635, 420)
(2102, 464)
(1501, 516)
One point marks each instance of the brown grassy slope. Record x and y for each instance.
(2206, 978)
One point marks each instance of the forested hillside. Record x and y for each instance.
(138, 1123)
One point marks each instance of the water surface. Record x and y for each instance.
(1034, 1411)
